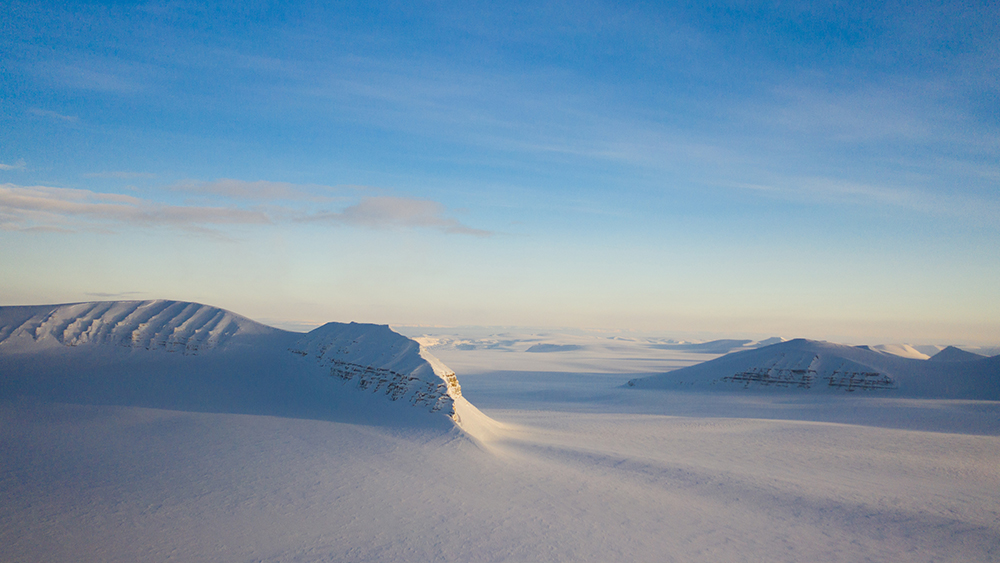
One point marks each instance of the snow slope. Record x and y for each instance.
(82, 483)
(904, 350)
(806, 366)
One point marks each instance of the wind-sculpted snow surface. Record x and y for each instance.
(379, 360)
(173, 326)
(809, 366)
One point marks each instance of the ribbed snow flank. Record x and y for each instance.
(375, 358)
(174, 326)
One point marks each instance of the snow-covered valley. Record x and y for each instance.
(180, 432)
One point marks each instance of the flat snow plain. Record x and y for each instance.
(577, 468)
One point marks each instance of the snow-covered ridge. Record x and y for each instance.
(377, 359)
(809, 366)
(174, 326)
(366, 357)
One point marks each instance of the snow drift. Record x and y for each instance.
(188, 356)
(821, 367)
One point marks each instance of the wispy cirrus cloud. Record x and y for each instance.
(53, 115)
(34, 207)
(118, 175)
(19, 165)
(400, 212)
(831, 190)
(260, 190)
(376, 212)
(98, 75)
(44, 208)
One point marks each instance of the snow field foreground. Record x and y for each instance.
(100, 483)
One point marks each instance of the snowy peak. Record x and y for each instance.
(374, 358)
(174, 326)
(953, 354)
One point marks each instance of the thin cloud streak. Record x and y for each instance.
(260, 190)
(840, 191)
(377, 212)
(43, 206)
(53, 115)
(19, 165)
(118, 77)
(398, 212)
(119, 175)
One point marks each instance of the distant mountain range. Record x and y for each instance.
(174, 354)
(808, 366)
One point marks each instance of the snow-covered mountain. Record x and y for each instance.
(175, 354)
(381, 360)
(174, 326)
(809, 366)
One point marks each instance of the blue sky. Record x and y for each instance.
(804, 169)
